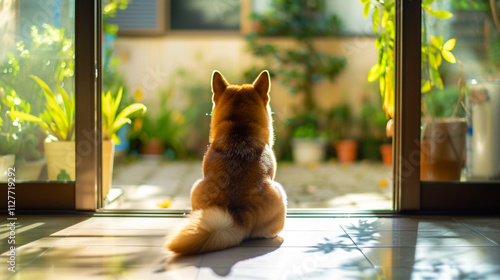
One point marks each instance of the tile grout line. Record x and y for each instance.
(363, 253)
(475, 231)
(198, 268)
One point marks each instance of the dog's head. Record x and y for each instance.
(241, 104)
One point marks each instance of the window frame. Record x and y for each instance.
(410, 194)
(413, 195)
(82, 193)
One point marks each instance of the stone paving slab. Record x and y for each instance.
(147, 183)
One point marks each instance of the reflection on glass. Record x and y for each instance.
(460, 91)
(37, 90)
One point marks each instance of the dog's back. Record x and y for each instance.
(237, 198)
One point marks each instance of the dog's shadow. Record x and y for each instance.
(221, 262)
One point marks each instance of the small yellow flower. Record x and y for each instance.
(138, 124)
(139, 95)
(164, 203)
(177, 117)
(383, 183)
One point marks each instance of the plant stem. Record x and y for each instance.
(427, 70)
(461, 86)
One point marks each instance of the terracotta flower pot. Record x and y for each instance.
(386, 152)
(442, 149)
(153, 147)
(347, 150)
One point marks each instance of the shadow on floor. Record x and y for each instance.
(224, 265)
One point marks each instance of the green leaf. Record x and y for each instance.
(449, 45)
(375, 19)
(432, 60)
(66, 103)
(439, 14)
(435, 42)
(366, 9)
(385, 18)
(29, 118)
(382, 86)
(49, 95)
(375, 72)
(436, 78)
(364, 1)
(116, 126)
(439, 59)
(427, 2)
(118, 100)
(123, 117)
(448, 56)
(59, 119)
(426, 87)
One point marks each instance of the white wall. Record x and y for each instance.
(147, 63)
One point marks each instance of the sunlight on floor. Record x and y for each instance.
(147, 184)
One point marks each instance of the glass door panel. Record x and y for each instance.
(460, 91)
(328, 74)
(37, 77)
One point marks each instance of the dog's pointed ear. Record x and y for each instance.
(263, 85)
(219, 84)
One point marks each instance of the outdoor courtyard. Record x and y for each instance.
(149, 184)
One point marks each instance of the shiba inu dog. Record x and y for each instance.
(237, 199)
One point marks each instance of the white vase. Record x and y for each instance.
(6, 162)
(484, 135)
(60, 156)
(307, 151)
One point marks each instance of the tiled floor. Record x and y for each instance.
(72, 247)
(360, 185)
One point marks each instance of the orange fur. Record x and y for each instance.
(237, 198)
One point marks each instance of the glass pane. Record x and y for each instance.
(37, 90)
(460, 91)
(324, 96)
(205, 15)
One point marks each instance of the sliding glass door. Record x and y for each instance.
(45, 85)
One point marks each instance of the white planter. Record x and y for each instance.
(60, 156)
(6, 162)
(307, 151)
(30, 170)
(108, 154)
(483, 147)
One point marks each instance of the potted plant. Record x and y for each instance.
(49, 55)
(10, 144)
(58, 124)
(340, 121)
(374, 145)
(29, 159)
(308, 144)
(112, 120)
(446, 136)
(299, 65)
(161, 133)
(197, 114)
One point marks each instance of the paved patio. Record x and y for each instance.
(151, 184)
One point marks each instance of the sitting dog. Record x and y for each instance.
(237, 199)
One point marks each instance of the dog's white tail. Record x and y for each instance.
(207, 230)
